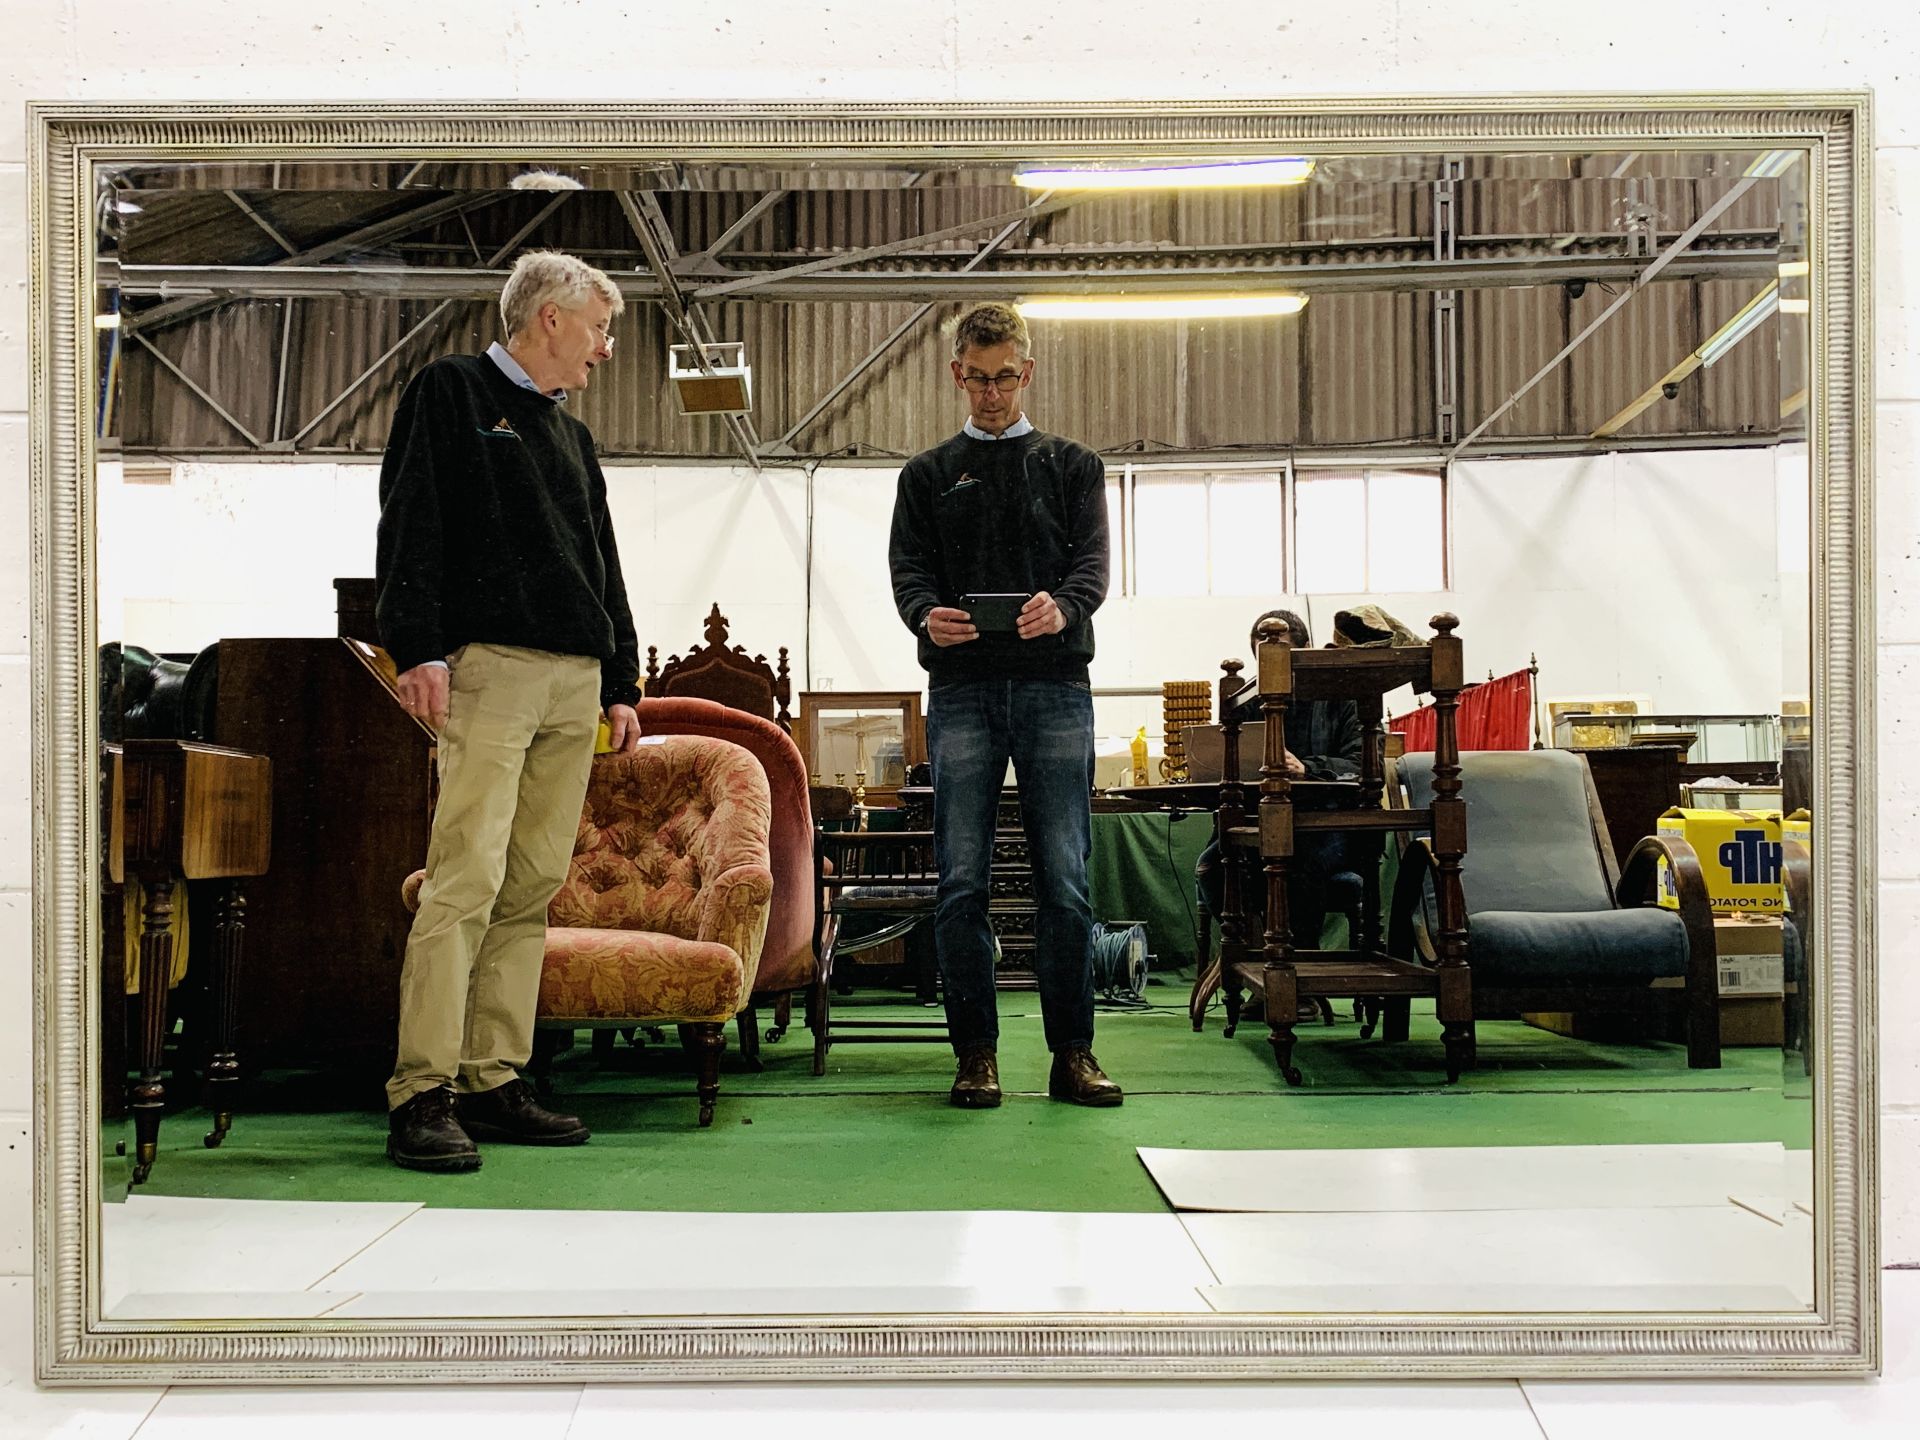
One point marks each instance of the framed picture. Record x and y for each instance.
(845, 735)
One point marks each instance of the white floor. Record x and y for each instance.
(1710, 1227)
(1777, 1410)
(1705, 1227)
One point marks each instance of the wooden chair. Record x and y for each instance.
(727, 674)
(874, 886)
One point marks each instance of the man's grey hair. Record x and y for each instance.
(540, 276)
(544, 180)
(988, 324)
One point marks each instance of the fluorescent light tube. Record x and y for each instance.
(1740, 326)
(1773, 164)
(1290, 170)
(1163, 307)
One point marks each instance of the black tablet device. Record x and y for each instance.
(994, 614)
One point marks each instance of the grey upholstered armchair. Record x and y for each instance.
(1552, 924)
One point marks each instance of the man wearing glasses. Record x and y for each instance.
(1003, 509)
(500, 598)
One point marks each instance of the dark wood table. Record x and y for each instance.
(1256, 942)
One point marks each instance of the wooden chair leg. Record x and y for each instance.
(749, 1021)
(1703, 1024)
(1396, 1016)
(547, 1043)
(704, 1042)
(1206, 976)
(822, 1022)
(819, 1011)
(782, 1017)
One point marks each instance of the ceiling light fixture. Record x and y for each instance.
(711, 379)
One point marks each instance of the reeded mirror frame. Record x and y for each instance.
(76, 1346)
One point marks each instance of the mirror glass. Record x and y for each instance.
(1402, 387)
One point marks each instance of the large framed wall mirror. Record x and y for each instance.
(1559, 403)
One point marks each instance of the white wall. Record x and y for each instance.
(943, 50)
(1651, 575)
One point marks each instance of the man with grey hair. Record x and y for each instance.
(1007, 512)
(501, 602)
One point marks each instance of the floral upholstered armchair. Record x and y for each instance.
(664, 909)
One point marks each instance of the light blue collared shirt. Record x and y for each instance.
(516, 372)
(1022, 426)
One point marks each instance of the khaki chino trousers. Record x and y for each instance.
(514, 758)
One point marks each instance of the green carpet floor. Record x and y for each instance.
(875, 1133)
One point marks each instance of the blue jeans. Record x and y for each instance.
(1045, 727)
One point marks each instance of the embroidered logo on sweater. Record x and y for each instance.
(962, 483)
(501, 430)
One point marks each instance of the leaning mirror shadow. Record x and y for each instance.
(1451, 808)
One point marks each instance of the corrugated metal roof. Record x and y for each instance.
(1506, 336)
(1353, 369)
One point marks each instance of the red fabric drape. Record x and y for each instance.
(1495, 716)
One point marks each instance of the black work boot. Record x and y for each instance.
(422, 1134)
(1077, 1077)
(976, 1082)
(510, 1112)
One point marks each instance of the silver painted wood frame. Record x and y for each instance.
(74, 1345)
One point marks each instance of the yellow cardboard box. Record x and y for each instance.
(1739, 853)
(1798, 826)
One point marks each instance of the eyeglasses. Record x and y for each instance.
(1006, 382)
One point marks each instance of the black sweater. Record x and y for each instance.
(494, 528)
(998, 517)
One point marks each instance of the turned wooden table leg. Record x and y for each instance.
(1283, 1004)
(149, 1095)
(223, 1067)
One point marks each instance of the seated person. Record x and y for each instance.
(1323, 743)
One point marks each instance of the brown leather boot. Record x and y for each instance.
(1077, 1077)
(424, 1135)
(512, 1112)
(976, 1084)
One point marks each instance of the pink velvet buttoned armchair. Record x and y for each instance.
(664, 909)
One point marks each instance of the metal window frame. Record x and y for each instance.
(1441, 467)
